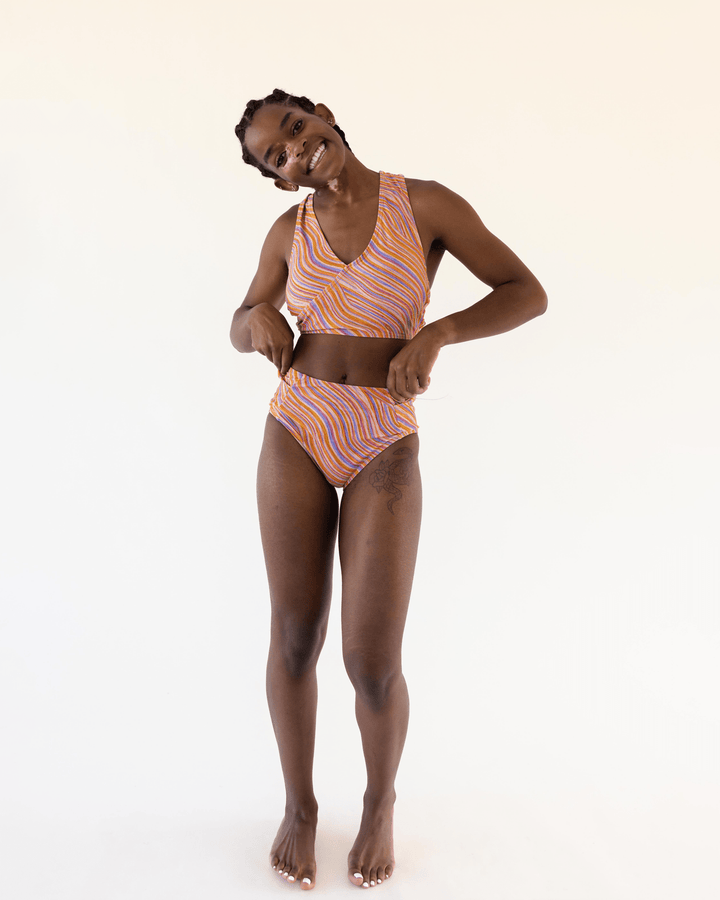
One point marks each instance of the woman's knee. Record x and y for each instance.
(298, 644)
(373, 675)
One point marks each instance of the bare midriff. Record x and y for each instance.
(344, 359)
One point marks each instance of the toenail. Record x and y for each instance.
(291, 878)
(307, 881)
(372, 884)
(365, 884)
(357, 875)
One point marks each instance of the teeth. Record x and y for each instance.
(316, 156)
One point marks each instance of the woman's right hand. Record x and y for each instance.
(271, 335)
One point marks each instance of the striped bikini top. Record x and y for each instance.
(383, 293)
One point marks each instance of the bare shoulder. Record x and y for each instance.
(422, 193)
(280, 237)
(433, 197)
(437, 208)
(288, 218)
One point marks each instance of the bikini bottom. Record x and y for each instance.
(342, 427)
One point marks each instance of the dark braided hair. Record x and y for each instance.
(278, 98)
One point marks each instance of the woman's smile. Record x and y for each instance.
(317, 156)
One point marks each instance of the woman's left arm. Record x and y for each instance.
(447, 222)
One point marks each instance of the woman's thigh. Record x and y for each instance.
(379, 532)
(298, 512)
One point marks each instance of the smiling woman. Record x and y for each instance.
(354, 262)
(300, 104)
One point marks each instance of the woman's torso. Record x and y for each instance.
(347, 234)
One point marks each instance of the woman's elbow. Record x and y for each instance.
(536, 299)
(540, 300)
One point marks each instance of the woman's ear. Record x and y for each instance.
(324, 113)
(285, 185)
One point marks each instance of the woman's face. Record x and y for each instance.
(300, 148)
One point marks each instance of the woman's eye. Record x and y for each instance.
(280, 161)
(297, 126)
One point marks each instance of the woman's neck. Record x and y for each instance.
(354, 183)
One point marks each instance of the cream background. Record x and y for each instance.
(564, 641)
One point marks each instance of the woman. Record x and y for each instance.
(355, 262)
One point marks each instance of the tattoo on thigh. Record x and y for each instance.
(390, 473)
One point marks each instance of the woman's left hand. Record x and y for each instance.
(409, 371)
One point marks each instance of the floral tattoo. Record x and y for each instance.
(390, 474)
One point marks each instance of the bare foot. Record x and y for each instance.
(371, 860)
(293, 852)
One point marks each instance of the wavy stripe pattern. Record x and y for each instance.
(382, 293)
(341, 426)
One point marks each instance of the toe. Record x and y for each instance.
(388, 871)
(356, 876)
(307, 883)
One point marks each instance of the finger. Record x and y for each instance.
(412, 385)
(277, 352)
(390, 382)
(397, 385)
(392, 389)
(406, 384)
(424, 383)
(286, 359)
(406, 381)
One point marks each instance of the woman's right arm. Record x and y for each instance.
(258, 324)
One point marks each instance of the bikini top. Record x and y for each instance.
(383, 293)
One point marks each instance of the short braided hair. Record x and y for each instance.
(278, 98)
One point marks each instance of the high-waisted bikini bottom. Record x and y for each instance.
(342, 427)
